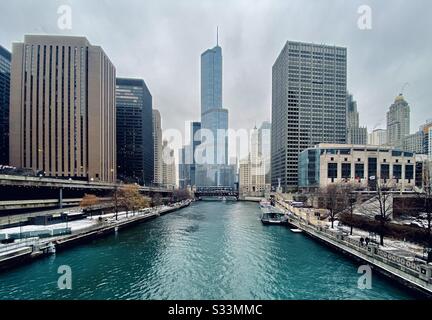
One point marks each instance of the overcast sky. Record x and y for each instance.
(161, 42)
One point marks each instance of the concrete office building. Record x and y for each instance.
(308, 105)
(135, 151)
(5, 66)
(355, 133)
(264, 147)
(377, 137)
(157, 144)
(398, 122)
(361, 165)
(169, 175)
(62, 115)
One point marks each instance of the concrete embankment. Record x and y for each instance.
(411, 274)
(38, 248)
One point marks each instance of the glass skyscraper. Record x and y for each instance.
(214, 119)
(135, 146)
(5, 67)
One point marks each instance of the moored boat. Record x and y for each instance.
(273, 215)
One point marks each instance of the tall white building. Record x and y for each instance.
(378, 137)
(157, 143)
(398, 122)
(169, 178)
(252, 173)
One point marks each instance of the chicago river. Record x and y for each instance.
(209, 250)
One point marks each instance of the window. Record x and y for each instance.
(397, 171)
(409, 172)
(346, 170)
(372, 167)
(385, 171)
(359, 171)
(332, 170)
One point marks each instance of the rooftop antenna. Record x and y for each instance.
(217, 36)
(404, 86)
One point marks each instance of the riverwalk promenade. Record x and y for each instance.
(61, 236)
(402, 265)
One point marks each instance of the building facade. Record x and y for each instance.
(355, 133)
(169, 175)
(62, 108)
(214, 121)
(378, 137)
(398, 122)
(252, 172)
(5, 66)
(308, 105)
(264, 147)
(360, 165)
(157, 144)
(135, 150)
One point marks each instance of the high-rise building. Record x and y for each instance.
(264, 147)
(187, 162)
(398, 122)
(5, 66)
(415, 143)
(157, 143)
(62, 108)
(214, 120)
(168, 166)
(378, 137)
(252, 170)
(418, 142)
(184, 168)
(355, 133)
(308, 104)
(135, 151)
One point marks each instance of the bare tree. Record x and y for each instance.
(425, 196)
(334, 198)
(384, 205)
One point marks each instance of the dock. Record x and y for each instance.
(27, 250)
(407, 271)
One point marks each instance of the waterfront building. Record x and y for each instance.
(169, 179)
(252, 172)
(355, 133)
(187, 161)
(135, 149)
(264, 147)
(157, 144)
(418, 142)
(184, 168)
(62, 108)
(308, 105)
(377, 137)
(214, 118)
(360, 165)
(398, 122)
(415, 143)
(5, 66)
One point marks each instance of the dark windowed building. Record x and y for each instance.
(5, 64)
(135, 151)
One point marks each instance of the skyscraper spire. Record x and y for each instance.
(217, 36)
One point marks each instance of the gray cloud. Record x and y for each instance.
(161, 41)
